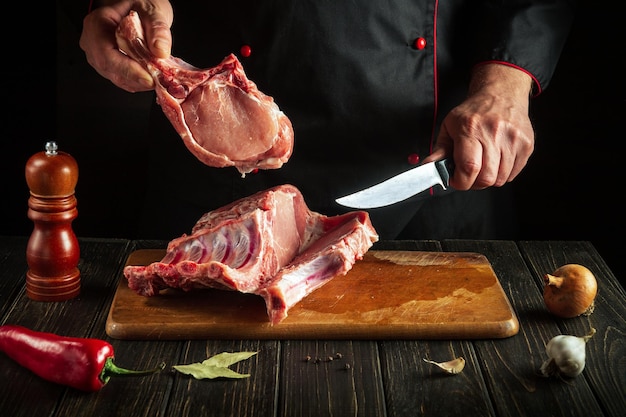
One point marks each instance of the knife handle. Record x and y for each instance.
(445, 167)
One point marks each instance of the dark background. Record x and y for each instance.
(572, 188)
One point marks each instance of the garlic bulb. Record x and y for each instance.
(566, 355)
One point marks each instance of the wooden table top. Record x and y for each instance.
(384, 377)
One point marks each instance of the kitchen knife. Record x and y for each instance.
(401, 186)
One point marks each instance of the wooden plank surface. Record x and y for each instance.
(387, 294)
(511, 366)
(604, 376)
(385, 377)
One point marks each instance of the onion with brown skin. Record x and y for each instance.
(570, 291)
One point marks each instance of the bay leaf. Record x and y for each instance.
(216, 366)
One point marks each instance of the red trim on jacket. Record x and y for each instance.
(435, 79)
(431, 191)
(536, 90)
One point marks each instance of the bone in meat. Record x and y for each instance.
(269, 244)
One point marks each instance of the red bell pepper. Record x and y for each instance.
(81, 363)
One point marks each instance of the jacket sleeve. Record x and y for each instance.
(526, 34)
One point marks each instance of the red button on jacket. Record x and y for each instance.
(420, 43)
(245, 51)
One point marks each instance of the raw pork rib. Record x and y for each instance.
(269, 244)
(222, 117)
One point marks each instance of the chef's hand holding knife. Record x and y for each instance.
(98, 41)
(489, 135)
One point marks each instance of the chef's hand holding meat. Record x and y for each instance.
(369, 92)
(101, 49)
(222, 117)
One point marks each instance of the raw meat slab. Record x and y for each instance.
(386, 295)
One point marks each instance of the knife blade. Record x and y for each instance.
(401, 186)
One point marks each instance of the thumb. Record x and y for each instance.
(442, 147)
(438, 153)
(157, 23)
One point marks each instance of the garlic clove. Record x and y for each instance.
(454, 366)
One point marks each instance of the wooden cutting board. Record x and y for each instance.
(386, 295)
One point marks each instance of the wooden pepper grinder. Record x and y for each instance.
(52, 253)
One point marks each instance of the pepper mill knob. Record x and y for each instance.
(52, 252)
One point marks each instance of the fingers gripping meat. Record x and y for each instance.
(222, 117)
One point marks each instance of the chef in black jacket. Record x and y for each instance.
(371, 88)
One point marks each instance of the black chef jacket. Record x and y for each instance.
(365, 84)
